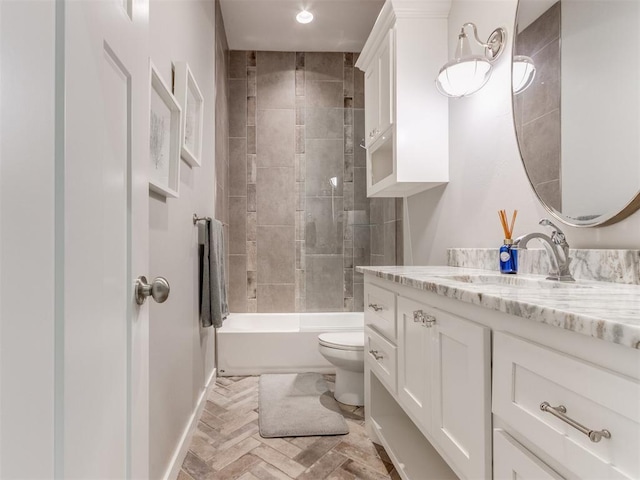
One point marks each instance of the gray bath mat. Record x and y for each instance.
(298, 405)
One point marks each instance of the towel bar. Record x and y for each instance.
(197, 219)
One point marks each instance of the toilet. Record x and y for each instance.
(345, 350)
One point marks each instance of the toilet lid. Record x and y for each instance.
(343, 340)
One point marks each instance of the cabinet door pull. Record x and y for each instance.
(560, 412)
(376, 355)
(376, 307)
(424, 318)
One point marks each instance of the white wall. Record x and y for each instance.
(181, 353)
(486, 171)
(27, 112)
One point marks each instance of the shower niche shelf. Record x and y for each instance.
(406, 119)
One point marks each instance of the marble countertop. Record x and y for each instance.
(603, 310)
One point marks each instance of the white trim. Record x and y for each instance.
(185, 440)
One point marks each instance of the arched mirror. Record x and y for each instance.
(576, 106)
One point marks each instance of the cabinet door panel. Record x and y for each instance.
(371, 103)
(511, 460)
(461, 422)
(414, 348)
(385, 68)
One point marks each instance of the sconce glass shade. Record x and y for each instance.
(463, 76)
(524, 71)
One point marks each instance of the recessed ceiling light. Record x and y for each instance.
(304, 17)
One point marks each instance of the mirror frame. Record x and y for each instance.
(602, 220)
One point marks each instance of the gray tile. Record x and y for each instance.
(251, 110)
(358, 297)
(360, 154)
(252, 89)
(390, 243)
(276, 142)
(348, 305)
(324, 225)
(251, 197)
(347, 195)
(251, 58)
(252, 225)
(237, 283)
(276, 298)
(543, 95)
(361, 245)
(276, 255)
(348, 139)
(358, 88)
(300, 143)
(348, 283)
(300, 224)
(300, 86)
(399, 243)
(252, 256)
(237, 167)
(300, 60)
(388, 209)
(348, 167)
(276, 80)
(300, 253)
(540, 145)
(377, 210)
(300, 197)
(377, 240)
(324, 122)
(300, 110)
(237, 108)
(324, 160)
(251, 139)
(300, 168)
(324, 94)
(300, 284)
(252, 284)
(545, 29)
(252, 169)
(323, 66)
(324, 282)
(237, 224)
(238, 64)
(360, 200)
(276, 196)
(348, 81)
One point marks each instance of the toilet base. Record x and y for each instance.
(349, 387)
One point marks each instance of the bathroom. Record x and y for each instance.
(54, 364)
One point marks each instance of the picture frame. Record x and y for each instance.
(191, 101)
(165, 121)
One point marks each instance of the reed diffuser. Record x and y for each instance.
(508, 254)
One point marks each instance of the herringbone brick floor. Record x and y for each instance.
(227, 445)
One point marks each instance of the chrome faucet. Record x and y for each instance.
(557, 248)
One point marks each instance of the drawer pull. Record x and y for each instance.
(560, 411)
(376, 355)
(376, 307)
(424, 318)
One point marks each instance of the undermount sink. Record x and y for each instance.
(512, 281)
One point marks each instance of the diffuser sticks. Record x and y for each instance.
(508, 254)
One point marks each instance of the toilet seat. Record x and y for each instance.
(342, 340)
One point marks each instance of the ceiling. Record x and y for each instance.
(338, 26)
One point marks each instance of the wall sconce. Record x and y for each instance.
(524, 71)
(467, 73)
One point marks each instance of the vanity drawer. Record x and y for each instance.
(380, 310)
(511, 460)
(526, 374)
(380, 355)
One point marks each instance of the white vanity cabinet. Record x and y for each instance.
(442, 381)
(406, 121)
(457, 389)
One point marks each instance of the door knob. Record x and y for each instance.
(159, 289)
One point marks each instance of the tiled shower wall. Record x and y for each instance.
(299, 217)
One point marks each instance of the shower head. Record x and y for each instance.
(333, 181)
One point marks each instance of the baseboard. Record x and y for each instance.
(247, 371)
(183, 446)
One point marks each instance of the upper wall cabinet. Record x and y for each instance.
(406, 119)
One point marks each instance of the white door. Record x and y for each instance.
(104, 426)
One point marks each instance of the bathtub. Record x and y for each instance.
(256, 343)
